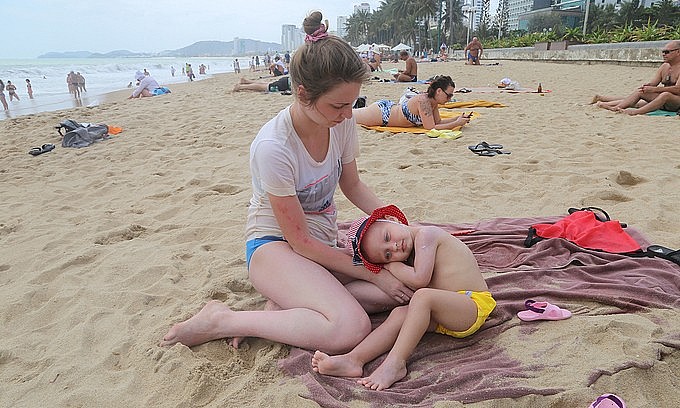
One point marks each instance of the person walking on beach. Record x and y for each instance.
(12, 91)
(190, 72)
(172, 70)
(473, 52)
(318, 298)
(80, 82)
(2, 96)
(662, 92)
(29, 88)
(410, 73)
(237, 66)
(451, 296)
(72, 82)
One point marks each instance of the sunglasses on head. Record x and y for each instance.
(666, 52)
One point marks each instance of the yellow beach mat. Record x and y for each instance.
(420, 129)
(473, 104)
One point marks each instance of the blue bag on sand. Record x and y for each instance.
(161, 91)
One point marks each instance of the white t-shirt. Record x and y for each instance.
(146, 83)
(280, 165)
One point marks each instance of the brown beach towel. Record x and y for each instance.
(593, 284)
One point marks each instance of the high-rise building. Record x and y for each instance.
(291, 37)
(342, 30)
(362, 7)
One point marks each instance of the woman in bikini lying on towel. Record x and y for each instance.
(419, 110)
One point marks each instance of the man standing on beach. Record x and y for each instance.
(410, 74)
(473, 51)
(662, 92)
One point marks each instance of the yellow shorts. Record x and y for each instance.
(485, 305)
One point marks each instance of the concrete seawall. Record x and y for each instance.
(629, 53)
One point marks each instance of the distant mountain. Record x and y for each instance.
(238, 47)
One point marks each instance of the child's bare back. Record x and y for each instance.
(454, 268)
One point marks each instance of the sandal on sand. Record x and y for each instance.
(47, 147)
(485, 146)
(665, 253)
(542, 311)
(608, 401)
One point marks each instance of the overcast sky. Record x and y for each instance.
(29, 28)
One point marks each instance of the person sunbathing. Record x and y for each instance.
(662, 92)
(451, 296)
(419, 110)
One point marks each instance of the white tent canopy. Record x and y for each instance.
(363, 47)
(401, 46)
(382, 46)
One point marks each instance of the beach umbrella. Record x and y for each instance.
(401, 46)
(363, 47)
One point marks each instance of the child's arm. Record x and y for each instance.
(420, 274)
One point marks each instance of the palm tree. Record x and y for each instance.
(453, 19)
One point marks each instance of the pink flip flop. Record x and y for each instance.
(608, 401)
(542, 311)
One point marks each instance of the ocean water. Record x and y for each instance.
(102, 75)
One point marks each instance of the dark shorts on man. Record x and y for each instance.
(280, 85)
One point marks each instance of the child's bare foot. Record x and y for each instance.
(338, 366)
(389, 372)
(201, 328)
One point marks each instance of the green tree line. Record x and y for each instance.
(424, 24)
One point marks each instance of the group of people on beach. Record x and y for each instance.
(76, 83)
(12, 92)
(661, 92)
(320, 285)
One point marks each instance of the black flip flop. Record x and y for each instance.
(665, 253)
(488, 152)
(47, 147)
(485, 146)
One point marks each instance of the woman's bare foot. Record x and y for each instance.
(201, 328)
(606, 105)
(389, 372)
(337, 366)
(595, 99)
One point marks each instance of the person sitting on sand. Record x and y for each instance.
(473, 51)
(146, 86)
(318, 298)
(280, 85)
(451, 295)
(277, 68)
(410, 74)
(662, 92)
(419, 110)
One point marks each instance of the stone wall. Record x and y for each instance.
(631, 53)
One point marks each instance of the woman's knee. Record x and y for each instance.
(348, 331)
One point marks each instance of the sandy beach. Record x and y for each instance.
(104, 248)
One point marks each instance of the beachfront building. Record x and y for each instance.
(342, 26)
(365, 7)
(517, 8)
(291, 37)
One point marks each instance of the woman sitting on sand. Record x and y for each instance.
(318, 298)
(419, 110)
